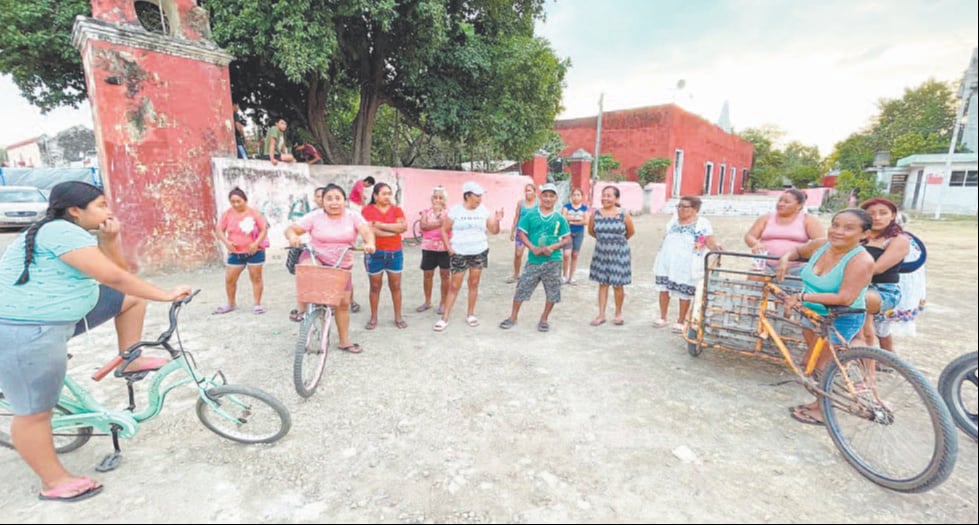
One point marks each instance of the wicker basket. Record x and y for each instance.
(321, 284)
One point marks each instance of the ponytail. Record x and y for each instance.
(29, 243)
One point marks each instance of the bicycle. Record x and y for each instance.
(322, 288)
(876, 419)
(239, 413)
(958, 388)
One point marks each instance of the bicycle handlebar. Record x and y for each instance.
(133, 352)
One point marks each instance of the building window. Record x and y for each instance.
(708, 176)
(734, 177)
(152, 17)
(720, 179)
(964, 179)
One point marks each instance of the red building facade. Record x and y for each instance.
(704, 159)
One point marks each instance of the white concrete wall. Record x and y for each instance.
(934, 187)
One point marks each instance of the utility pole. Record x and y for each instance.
(966, 90)
(598, 139)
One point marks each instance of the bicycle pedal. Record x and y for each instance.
(109, 462)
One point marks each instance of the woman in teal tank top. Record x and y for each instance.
(837, 274)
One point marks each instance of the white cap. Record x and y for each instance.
(472, 187)
(549, 187)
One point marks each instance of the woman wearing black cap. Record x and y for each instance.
(49, 281)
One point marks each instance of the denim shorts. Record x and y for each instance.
(384, 261)
(848, 325)
(243, 259)
(33, 363)
(577, 239)
(890, 295)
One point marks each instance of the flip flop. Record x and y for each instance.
(370, 325)
(223, 309)
(597, 322)
(472, 321)
(296, 315)
(512, 279)
(618, 321)
(802, 414)
(543, 326)
(401, 324)
(440, 325)
(659, 323)
(91, 488)
(677, 328)
(258, 309)
(507, 324)
(353, 349)
(423, 307)
(354, 307)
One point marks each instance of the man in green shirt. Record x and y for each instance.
(275, 143)
(544, 232)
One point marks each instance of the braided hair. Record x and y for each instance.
(71, 194)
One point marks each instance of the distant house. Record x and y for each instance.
(923, 182)
(705, 159)
(25, 154)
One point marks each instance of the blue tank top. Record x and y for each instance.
(830, 281)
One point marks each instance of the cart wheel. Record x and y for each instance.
(694, 349)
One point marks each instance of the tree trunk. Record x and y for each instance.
(363, 130)
(316, 119)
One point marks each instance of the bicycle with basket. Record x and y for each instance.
(322, 288)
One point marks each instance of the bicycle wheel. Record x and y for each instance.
(63, 442)
(243, 414)
(958, 387)
(895, 430)
(416, 231)
(312, 347)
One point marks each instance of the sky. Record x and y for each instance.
(814, 69)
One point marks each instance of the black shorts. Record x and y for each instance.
(432, 259)
(108, 307)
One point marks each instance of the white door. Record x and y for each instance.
(677, 173)
(708, 177)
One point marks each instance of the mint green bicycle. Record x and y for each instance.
(239, 413)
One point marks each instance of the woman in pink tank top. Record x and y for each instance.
(789, 226)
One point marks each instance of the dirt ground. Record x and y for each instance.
(582, 424)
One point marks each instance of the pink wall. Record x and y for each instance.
(502, 191)
(657, 196)
(630, 195)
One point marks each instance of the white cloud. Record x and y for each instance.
(23, 121)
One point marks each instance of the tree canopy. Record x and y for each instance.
(772, 166)
(470, 72)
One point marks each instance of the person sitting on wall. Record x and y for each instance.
(308, 153)
(275, 143)
(240, 121)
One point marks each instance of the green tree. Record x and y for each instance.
(767, 161)
(606, 165)
(802, 164)
(653, 170)
(469, 72)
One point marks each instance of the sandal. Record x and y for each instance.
(77, 490)
(354, 307)
(803, 414)
(598, 321)
(618, 321)
(507, 324)
(223, 309)
(258, 309)
(472, 321)
(677, 328)
(401, 324)
(512, 279)
(659, 323)
(372, 324)
(353, 349)
(296, 315)
(423, 307)
(543, 326)
(440, 325)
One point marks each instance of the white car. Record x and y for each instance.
(21, 206)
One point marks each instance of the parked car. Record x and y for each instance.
(21, 206)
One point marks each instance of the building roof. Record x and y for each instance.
(22, 143)
(937, 158)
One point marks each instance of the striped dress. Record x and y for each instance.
(611, 263)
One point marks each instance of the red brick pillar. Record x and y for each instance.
(161, 108)
(536, 168)
(580, 166)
